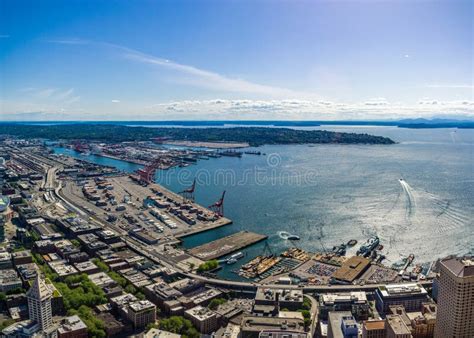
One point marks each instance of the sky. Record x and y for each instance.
(239, 60)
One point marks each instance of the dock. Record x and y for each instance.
(226, 245)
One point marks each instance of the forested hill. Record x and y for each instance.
(255, 136)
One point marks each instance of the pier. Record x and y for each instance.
(226, 245)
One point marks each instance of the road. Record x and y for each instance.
(158, 258)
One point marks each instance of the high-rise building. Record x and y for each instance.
(39, 304)
(455, 316)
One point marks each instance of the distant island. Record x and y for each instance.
(255, 136)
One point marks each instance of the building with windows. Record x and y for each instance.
(39, 306)
(141, 313)
(396, 327)
(455, 317)
(373, 329)
(411, 296)
(72, 327)
(356, 302)
(202, 318)
(341, 324)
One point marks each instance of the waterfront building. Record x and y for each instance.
(351, 269)
(411, 296)
(39, 305)
(455, 316)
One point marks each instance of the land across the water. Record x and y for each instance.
(210, 145)
(226, 245)
(255, 136)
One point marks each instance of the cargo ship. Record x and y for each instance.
(231, 153)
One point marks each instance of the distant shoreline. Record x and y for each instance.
(408, 123)
(255, 136)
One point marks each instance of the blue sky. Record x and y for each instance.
(124, 60)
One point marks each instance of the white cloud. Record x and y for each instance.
(378, 108)
(115, 101)
(192, 75)
(224, 109)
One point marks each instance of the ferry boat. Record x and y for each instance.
(370, 245)
(233, 258)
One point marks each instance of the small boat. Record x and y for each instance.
(352, 242)
(231, 261)
(293, 238)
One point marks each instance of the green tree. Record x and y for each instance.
(208, 266)
(179, 325)
(214, 304)
(94, 325)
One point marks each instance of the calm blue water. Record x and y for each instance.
(350, 191)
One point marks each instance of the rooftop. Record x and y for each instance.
(400, 290)
(71, 324)
(398, 326)
(372, 325)
(459, 266)
(141, 305)
(351, 269)
(355, 297)
(258, 324)
(200, 313)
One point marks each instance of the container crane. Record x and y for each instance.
(188, 194)
(218, 207)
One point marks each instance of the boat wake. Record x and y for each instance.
(284, 234)
(410, 198)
